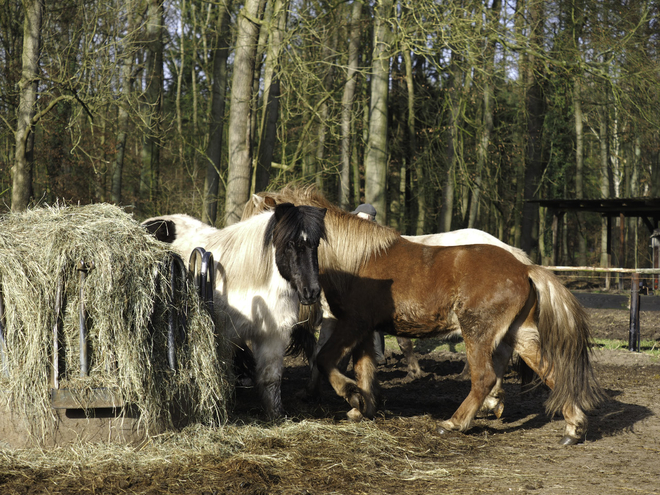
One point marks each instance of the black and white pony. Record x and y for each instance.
(265, 268)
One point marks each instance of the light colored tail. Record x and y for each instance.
(565, 340)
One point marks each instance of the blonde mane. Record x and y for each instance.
(238, 250)
(342, 227)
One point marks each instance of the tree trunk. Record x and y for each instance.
(347, 106)
(579, 168)
(604, 181)
(535, 117)
(216, 123)
(487, 124)
(22, 176)
(240, 139)
(454, 106)
(153, 68)
(327, 54)
(271, 96)
(376, 159)
(415, 166)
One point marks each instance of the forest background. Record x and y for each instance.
(443, 114)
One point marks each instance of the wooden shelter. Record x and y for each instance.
(648, 209)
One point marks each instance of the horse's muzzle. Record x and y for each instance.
(309, 296)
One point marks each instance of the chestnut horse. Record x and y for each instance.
(373, 278)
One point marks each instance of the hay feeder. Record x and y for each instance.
(103, 336)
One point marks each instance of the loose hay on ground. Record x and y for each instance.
(126, 298)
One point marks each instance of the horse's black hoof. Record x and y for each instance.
(567, 440)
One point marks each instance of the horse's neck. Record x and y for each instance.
(239, 250)
(351, 243)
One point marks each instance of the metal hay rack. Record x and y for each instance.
(201, 272)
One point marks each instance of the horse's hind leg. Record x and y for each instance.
(406, 346)
(483, 377)
(494, 402)
(529, 350)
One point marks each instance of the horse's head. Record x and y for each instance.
(161, 228)
(295, 232)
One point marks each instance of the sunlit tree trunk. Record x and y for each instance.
(579, 169)
(240, 111)
(376, 159)
(454, 107)
(22, 172)
(604, 180)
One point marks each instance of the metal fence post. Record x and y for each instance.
(634, 337)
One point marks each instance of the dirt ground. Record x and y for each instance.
(316, 451)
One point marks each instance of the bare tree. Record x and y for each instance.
(535, 114)
(492, 19)
(216, 119)
(347, 105)
(271, 95)
(240, 140)
(376, 156)
(153, 103)
(127, 59)
(22, 180)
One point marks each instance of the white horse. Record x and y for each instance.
(265, 268)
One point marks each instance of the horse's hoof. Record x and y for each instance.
(568, 440)
(356, 400)
(443, 432)
(498, 410)
(445, 428)
(354, 415)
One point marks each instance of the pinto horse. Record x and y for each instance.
(265, 268)
(373, 278)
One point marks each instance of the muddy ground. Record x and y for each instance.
(316, 451)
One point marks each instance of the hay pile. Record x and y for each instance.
(125, 295)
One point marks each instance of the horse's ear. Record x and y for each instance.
(282, 209)
(270, 202)
(163, 230)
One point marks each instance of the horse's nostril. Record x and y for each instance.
(309, 295)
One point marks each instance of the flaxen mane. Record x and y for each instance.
(341, 226)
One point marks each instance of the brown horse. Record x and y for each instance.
(372, 277)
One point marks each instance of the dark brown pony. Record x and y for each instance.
(372, 277)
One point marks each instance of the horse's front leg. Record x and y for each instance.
(328, 324)
(269, 360)
(339, 344)
(365, 365)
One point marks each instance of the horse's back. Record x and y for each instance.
(467, 237)
(429, 289)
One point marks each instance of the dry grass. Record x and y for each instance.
(125, 296)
